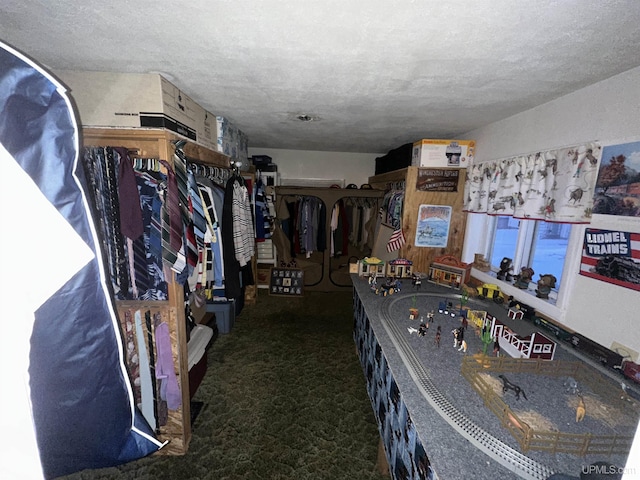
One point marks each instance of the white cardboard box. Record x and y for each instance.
(443, 153)
(132, 100)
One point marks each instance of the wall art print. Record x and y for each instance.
(288, 282)
(612, 257)
(432, 229)
(618, 184)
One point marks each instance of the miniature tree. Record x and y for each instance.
(413, 311)
(486, 339)
(464, 299)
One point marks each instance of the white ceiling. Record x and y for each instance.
(375, 73)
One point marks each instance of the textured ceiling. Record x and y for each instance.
(376, 74)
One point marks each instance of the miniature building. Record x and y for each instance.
(371, 266)
(516, 313)
(399, 268)
(535, 345)
(449, 271)
(480, 263)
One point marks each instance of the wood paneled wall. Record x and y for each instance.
(423, 256)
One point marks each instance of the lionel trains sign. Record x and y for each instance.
(612, 257)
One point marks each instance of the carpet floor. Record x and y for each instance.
(284, 397)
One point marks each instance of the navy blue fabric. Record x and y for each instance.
(81, 404)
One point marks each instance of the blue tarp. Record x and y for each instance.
(82, 403)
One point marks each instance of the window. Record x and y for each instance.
(549, 248)
(530, 243)
(505, 239)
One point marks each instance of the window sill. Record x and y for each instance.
(542, 306)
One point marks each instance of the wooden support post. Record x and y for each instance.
(381, 463)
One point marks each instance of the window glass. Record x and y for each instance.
(549, 249)
(530, 243)
(505, 239)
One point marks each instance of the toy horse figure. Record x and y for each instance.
(507, 385)
(581, 410)
(455, 337)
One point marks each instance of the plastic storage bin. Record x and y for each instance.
(225, 313)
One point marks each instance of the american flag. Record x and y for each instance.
(396, 241)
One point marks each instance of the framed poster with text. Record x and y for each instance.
(432, 229)
(612, 257)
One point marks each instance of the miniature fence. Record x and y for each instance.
(527, 437)
(522, 346)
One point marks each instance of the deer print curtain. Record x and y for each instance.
(554, 186)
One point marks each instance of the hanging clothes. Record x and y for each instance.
(116, 203)
(392, 205)
(262, 212)
(150, 280)
(165, 370)
(238, 238)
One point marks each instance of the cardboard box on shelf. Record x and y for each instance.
(443, 153)
(134, 100)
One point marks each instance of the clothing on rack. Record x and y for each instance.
(302, 219)
(339, 229)
(148, 364)
(238, 237)
(392, 204)
(262, 211)
(156, 219)
(165, 370)
(134, 274)
(360, 211)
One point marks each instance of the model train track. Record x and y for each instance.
(513, 460)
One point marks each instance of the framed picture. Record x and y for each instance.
(618, 184)
(432, 229)
(612, 256)
(288, 282)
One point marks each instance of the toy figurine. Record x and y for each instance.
(505, 269)
(545, 284)
(373, 284)
(388, 287)
(523, 280)
(424, 328)
(416, 281)
(413, 311)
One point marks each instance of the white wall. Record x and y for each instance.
(352, 167)
(609, 112)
